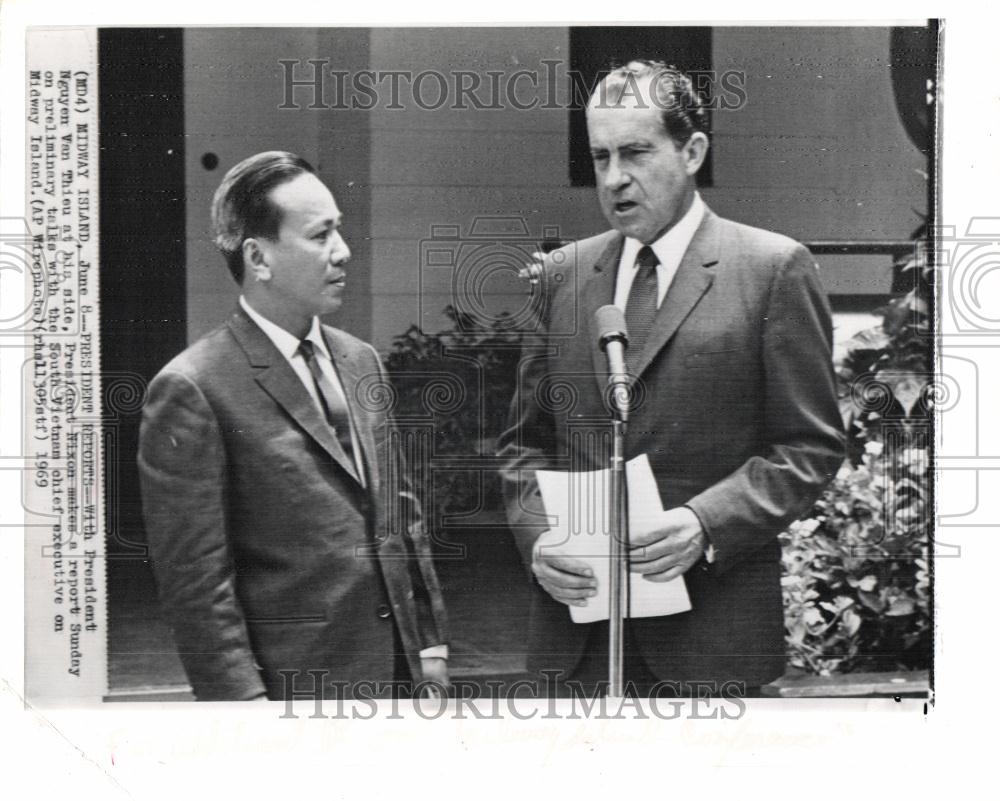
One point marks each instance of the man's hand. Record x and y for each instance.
(435, 669)
(566, 579)
(671, 549)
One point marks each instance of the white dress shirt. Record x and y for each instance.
(669, 249)
(288, 345)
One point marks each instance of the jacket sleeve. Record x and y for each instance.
(182, 468)
(432, 620)
(529, 443)
(803, 441)
(524, 447)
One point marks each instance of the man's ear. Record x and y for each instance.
(695, 151)
(255, 260)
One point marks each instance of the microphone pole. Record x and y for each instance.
(613, 339)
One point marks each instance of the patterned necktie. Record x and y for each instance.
(640, 309)
(333, 404)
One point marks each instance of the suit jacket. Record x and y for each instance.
(268, 554)
(736, 409)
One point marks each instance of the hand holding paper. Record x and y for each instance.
(669, 550)
(579, 542)
(568, 580)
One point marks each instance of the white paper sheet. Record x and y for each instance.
(578, 504)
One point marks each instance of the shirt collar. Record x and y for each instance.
(670, 247)
(283, 341)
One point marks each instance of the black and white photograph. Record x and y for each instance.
(525, 373)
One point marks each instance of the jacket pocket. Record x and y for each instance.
(716, 358)
(287, 619)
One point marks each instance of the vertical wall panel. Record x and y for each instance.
(142, 265)
(142, 237)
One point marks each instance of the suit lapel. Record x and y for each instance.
(693, 278)
(350, 378)
(599, 290)
(276, 377)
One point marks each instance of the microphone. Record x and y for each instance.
(613, 339)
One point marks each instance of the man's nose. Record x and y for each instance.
(614, 176)
(340, 252)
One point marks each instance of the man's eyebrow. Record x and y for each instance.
(637, 144)
(327, 222)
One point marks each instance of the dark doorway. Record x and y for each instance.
(143, 315)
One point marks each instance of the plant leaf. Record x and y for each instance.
(900, 606)
(906, 387)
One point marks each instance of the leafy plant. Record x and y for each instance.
(856, 583)
(459, 382)
(884, 380)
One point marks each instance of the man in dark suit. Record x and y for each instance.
(735, 404)
(285, 539)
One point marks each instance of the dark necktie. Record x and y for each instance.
(333, 404)
(640, 309)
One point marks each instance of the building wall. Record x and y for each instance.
(817, 152)
(456, 167)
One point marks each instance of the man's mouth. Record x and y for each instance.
(623, 206)
(341, 281)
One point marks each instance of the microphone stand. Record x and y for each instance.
(614, 340)
(619, 556)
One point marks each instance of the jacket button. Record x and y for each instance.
(383, 611)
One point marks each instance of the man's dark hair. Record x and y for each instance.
(242, 207)
(683, 111)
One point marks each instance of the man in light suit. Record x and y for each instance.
(285, 539)
(735, 403)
